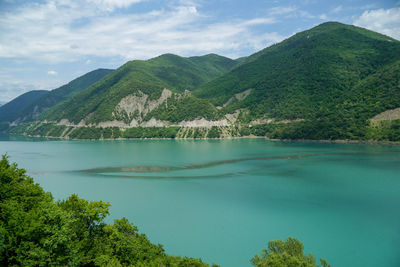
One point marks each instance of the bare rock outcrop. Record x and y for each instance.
(238, 97)
(136, 106)
(388, 115)
(203, 123)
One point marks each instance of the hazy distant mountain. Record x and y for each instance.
(9, 111)
(29, 105)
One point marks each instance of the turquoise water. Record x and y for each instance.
(222, 200)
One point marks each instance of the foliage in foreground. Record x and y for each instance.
(37, 231)
(288, 253)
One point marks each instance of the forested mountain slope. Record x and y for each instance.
(138, 87)
(336, 76)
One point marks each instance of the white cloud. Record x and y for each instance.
(88, 61)
(110, 5)
(386, 21)
(281, 10)
(259, 21)
(305, 14)
(368, 6)
(290, 12)
(52, 72)
(323, 16)
(67, 30)
(12, 89)
(337, 9)
(258, 42)
(15, 80)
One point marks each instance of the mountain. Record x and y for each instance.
(9, 110)
(28, 106)
(329, 77)
(334, 81)
(138, 88)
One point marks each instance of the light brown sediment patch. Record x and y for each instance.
(203, 123)
(113, 123)
(238, 97)
(198, 123)
(232, 117)
(154, 123)
(388, 115)
(267, 121)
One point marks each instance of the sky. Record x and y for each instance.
(45, 44)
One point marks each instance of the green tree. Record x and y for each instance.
(282, 254)
(33, 231)
(87, 224)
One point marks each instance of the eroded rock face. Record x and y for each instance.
(388, 115)
(268, 121)
(115, 123)
(132, 109)
(132, 103)
(154, 123)
(232, 117)
(238, 97)
(203, 123)
(136, 106)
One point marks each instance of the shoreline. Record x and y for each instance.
(146, 138)
(338, 141)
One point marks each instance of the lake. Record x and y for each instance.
(223, 200)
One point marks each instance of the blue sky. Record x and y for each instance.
(45, 44)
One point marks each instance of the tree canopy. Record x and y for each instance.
(285, 253)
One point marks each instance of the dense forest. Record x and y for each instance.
(336, 77)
